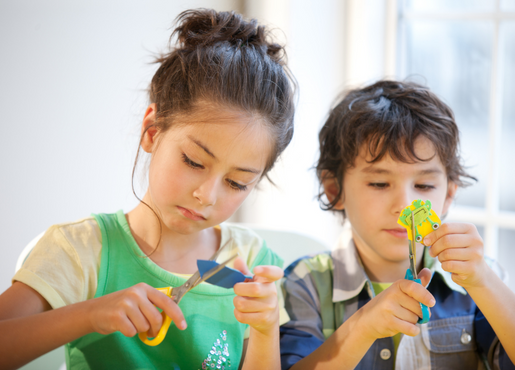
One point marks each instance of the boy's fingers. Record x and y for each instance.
(447, 228)
(168, 306)
(417, 292)
(425, 276)
(267, 274)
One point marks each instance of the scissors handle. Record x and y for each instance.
(425, 310)
(164, 327)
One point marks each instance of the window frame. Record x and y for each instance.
(490, 217)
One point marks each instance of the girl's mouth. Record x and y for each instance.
(192, 215)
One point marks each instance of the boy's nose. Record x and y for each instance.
(206, 193)
(401, 200)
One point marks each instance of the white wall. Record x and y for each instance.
(331, 44)
(72, 85)
(73, 76)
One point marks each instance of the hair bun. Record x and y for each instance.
(206, 27)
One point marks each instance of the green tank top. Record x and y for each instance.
(213, 339)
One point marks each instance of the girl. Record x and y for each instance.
(221, 113)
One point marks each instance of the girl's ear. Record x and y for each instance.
(451, 192)
(148, 131)
(331, 189)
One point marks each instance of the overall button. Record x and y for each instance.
(465, 337)
(385, 354)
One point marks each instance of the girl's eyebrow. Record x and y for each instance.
(203, 146)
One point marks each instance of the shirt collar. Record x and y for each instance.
(349, 276)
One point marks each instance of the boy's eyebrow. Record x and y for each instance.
(383, 171)
(200, 144)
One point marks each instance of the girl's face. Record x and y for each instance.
(201, 172)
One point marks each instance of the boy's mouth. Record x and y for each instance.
(398, 232)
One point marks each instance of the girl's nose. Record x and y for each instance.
(206, 193)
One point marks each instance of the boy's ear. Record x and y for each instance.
(331, 189)
(148, 131)
(449, 198)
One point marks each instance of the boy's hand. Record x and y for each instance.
(396, 309)
(133, 310)
(256, 301)
(459, 249)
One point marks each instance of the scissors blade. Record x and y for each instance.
(413, 248)
(216, 269)
(195, 279)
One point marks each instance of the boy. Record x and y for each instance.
(382, 147)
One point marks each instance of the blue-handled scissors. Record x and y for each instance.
(411, 273)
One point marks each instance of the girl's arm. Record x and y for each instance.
(459, 248)
(256, 305)
(29, 327)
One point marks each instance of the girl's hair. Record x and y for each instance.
(387, 117)
(223, 60)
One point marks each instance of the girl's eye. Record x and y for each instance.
(190, 163)
(378, 185)
(234, 185)
(424, 187)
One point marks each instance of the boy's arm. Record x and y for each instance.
(459, 249)
(390, 312)
(496, 301)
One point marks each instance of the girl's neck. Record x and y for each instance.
(176, 252)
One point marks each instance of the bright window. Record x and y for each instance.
(464, 50)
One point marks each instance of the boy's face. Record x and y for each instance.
(374, 196)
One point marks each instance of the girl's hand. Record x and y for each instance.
(132, 310)
(256, 301)
(459, 249)
(396, 309)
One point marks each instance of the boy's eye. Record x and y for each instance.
(190, 163)
(424, 187)
(378, 185)
(234, 185)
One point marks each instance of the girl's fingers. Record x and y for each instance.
(254, 289)
(127, 328)
(168, 305)
(153, 316)
(138, 320)
(241, 266)
(267, 274)
(249, 304)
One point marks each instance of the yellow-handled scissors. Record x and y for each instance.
(176, 294)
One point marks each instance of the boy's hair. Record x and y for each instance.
(387, 117)
(222, 59)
